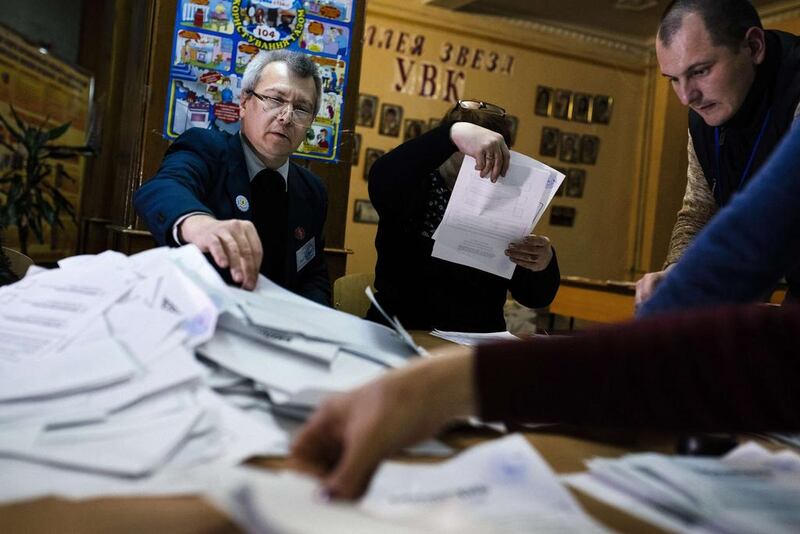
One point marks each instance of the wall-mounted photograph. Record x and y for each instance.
(562, 216)
(413, 128)
(391, 120)
(561, 100)
(548, 146)
(568, 151)
(367, 109)
(575, 180)
(579, 111)
(514, 124)
(601, 109)
(356, 149)
(590, 147)
(560, 191)
(544, 97)
(371, 155)
(364, 212)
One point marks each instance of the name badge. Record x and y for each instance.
(305, 254)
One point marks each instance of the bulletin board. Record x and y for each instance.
(214, 41)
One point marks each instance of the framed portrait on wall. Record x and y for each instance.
(561, 100)
(562, 216)
(513, 122)
(548, 146)
(579, 111)
(413, 128)
(367, 109)
(371, 155)
(568, 150)
(364, 212)
(601, 109)
(590, 147)
(544, 97)
(391, 120)
(575, 180)
(356, 149)
(560, 191)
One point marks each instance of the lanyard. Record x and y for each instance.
(718, 149)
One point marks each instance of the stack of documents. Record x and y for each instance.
(749, 490)
(471, 339)
(501, 486)
(101, 391)
(482, 218)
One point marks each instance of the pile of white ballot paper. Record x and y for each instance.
(750, 489)
(123, 375)
(147, 375)
(503, 486)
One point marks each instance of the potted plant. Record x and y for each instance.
(28, 199)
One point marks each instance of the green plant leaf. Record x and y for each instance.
(58, 131)
(20, 123)
(14, 133)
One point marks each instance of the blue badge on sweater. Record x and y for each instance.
(242, 203)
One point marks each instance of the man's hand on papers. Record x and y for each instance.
(646, 286)
(487, 147)
(349, 435)
(232, 243)
(534, 252)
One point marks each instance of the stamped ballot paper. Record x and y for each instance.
(482, 217)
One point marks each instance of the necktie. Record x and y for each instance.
(270, 211)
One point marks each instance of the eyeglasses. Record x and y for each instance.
(298, 115)
(477, 105)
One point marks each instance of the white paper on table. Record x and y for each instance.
(748, 487)
(286, 371)
(504, 485)
(482, 218)
(90, 365)
(501, 486)
(471, 339)
(40, 314)
(297, 317)
(131, 448)
(395, 322)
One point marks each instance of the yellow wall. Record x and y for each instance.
(604, 212)
(631, 196)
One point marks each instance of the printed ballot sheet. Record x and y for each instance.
(500, 486)
(482, 217)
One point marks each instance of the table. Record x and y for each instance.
(564, 451)
(192, 515)
(605, 301)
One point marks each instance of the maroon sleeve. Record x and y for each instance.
(735, 368)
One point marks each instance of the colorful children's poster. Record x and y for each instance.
(214, 40)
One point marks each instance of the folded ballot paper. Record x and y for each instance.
(751, 489)
(123, 375)
(500, 486)
(482, 217)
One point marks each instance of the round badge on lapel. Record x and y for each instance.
(242, 203)
(299, 233)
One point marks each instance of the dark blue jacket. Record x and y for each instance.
(747, 247)
(205, 171)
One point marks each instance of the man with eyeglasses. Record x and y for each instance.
(238, 197)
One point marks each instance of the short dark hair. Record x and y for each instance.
(726, 21)
(491, 121)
